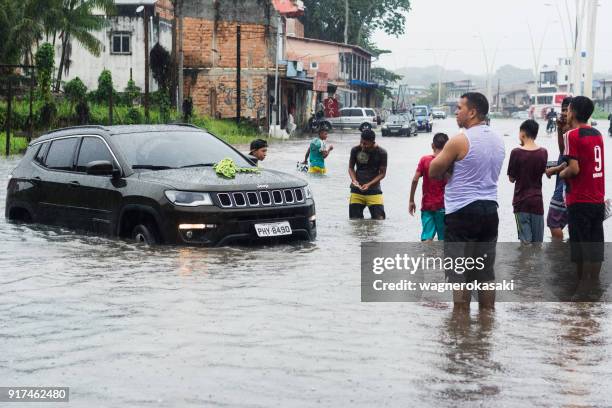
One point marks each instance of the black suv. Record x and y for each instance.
(155, 184)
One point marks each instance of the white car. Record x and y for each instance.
(354, 118)
(520, 115)
(438, 114)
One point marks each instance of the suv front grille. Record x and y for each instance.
(263, 198)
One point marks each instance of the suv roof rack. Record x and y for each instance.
(78, 127)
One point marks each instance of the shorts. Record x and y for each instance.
(556, 218)
(374, 202)
(472, 232)
(317, 170)
(586, 232)
(530, 227)
(433, 224)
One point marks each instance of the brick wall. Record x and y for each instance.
(214, 92)
(165, 9)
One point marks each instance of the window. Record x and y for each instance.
(314, 65)
(120, 43)
(42, 151)
(356, 112)
(345, 112)
(370, 112)
(92, 149)
(61, 154)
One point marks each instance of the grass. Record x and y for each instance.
(225, 129)
(17, 144)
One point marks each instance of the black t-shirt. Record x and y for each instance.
(368, 165)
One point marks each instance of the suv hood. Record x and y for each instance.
(205, 179)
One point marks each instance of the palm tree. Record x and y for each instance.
(78, 21)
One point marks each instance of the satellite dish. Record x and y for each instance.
(139, 9)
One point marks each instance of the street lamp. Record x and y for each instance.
(489, 68)
(145, 17)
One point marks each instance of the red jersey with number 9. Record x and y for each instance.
(585, 144)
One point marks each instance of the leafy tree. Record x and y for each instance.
(105, 85)
(161, 65)
(76, 20)
(131, 92)
(385, 78)
(44, 66)
(324, 19)
(75, 90)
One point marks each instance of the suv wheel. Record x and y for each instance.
(144, 234)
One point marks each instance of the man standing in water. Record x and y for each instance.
(585, 177)
(557, 212)
(472, 161)
(367, 167)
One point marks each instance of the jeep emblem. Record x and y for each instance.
(262, 186)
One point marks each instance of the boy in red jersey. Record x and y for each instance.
(585, 191)
(432, 205)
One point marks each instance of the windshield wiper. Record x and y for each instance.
(151, 167)
(198, 165)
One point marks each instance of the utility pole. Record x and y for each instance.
(180, 84)
(591, 22)
(498, 94)
(238, 89)
(146, 50)
(275, 110)
(346, 20)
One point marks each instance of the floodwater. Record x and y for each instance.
(123, 325)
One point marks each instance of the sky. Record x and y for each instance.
(451, 33)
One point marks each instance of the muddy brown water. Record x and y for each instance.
(123, 325)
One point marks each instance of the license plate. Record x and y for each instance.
(273, 229)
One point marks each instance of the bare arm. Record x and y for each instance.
(326, 152)
(572, 170)
(453, 150)
(307, 154)
(382, 172)
(352, 173)
(413, 187)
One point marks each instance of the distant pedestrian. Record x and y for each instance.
(367, 167)
(317, 153)
(472, 161)
(610, 125)
(525, 169)
(258, 150)
(556, 219)
(585, 178)
(432, 203)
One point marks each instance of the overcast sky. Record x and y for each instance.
(435, 28)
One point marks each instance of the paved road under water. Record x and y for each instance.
(123, 325)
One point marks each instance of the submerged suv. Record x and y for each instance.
(155, 184)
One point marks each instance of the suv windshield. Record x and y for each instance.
(396, 118)
(420, 112)
(164, 150)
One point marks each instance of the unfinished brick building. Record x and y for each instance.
(210, 40)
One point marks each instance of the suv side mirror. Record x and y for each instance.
(102, 168)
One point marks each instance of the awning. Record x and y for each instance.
(363, 84)
(307, 82)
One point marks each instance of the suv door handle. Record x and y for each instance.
(35, 180)
(74, 183)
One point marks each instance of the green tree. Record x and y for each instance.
(44, 68)
(76, 20)
(385, 78)
(324, 19)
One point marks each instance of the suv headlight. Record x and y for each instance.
(307, 192)
(384, 126)
(188, 198)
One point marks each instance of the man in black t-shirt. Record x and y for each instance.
(367, 167)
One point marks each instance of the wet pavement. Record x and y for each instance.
(123, 325)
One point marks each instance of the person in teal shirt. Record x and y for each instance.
(317, 153)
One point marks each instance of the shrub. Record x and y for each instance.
(75, 90)
(133, 116)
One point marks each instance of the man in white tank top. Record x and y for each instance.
(472, 162)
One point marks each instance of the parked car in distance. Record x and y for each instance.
(423, 117)
(353, 118)
(520, 115)
(156, 185)
(438, 114)
(399, 125)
